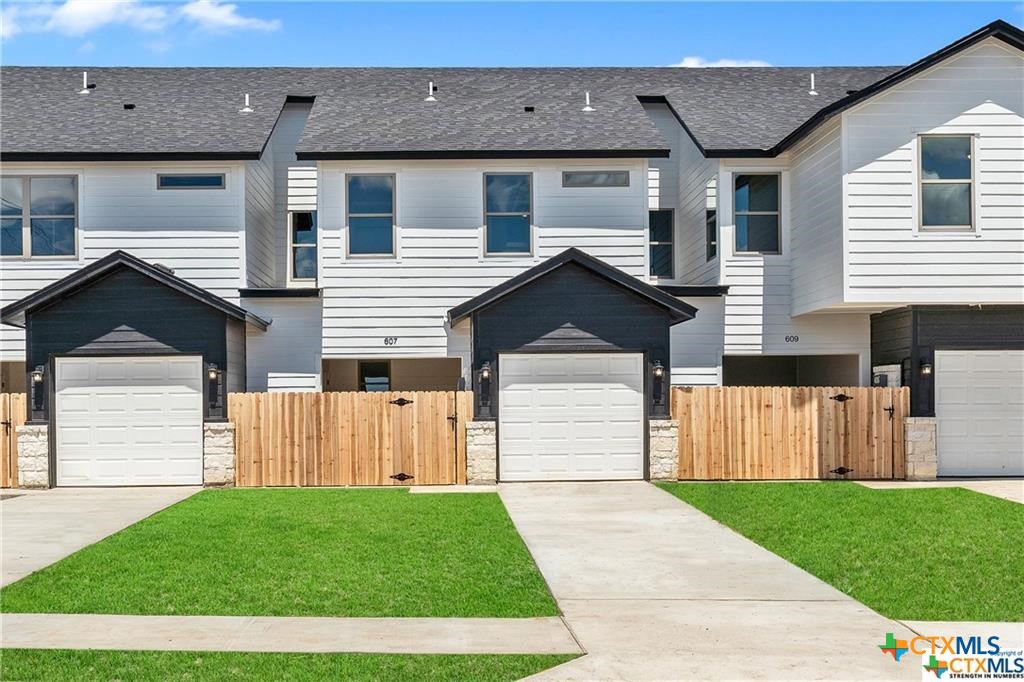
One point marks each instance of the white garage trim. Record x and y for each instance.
(571, 416)
(129, 420)
(979, 410)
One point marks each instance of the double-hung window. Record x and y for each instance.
(303, 234)
(758, 225)
(371, 215)
(661, 222)
(947, 176)
(38, 215)
(508, 199)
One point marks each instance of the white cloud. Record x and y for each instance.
(87, 47)
(700, 62)
(213, 15)
(81, 17)
(78, 17)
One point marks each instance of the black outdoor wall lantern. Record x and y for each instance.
(484, 376)
(658, 373)
(215, 390)
(37, 393)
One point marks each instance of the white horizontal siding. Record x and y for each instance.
(294, 181)
(439, 242)
(889, 261)
(287, 355)
(195, 232)
(697, 344)
(816, 223)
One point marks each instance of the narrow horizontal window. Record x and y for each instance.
(662, 260)
(947, 176)
(191, 181)
(303, 236)
(371, 215)
(38, 215)
(757, 214)
(508, 213)
(595, 179)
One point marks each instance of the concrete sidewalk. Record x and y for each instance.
(294, 635)
(655, 590)
(1011, 489)
(41, 527)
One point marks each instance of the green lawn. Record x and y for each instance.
(60, 665)
(924, 554)
(301, 552)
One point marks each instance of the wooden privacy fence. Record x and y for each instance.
(323, 439)
(765, 432)
(12, 415)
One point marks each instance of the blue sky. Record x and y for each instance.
(216, 32)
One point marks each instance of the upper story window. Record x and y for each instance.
(303, 236)
(711, 219)
(595, 179)
(39, 215)
(371, 215)
(757, 214)
(508, 207)
(191, 181)
(661, 222)
(947, 176)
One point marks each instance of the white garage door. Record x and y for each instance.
(571, 417)
(979, 407)
(129, 421)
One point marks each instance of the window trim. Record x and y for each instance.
(651, 242)
(972, 228)
(292, 246)
(26, 217)
(393, 215)
(361, 383)
(567, 173)
(223, 181)
(508, 254)
(711, 247)
(736, 214)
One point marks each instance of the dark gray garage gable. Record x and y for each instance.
(569, 304)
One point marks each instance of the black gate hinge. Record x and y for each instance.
(841, 398)
(401, 402)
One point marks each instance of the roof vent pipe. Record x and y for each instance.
(85, 84)
(812, 91)
(430, 93)
(246, 109)
(587, 106)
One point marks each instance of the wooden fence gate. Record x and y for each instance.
(766, 432)
(12, 415)
(324, 439)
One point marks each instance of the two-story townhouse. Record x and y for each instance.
(567, 242)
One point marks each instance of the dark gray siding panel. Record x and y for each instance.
(571, 310)
(891, 336)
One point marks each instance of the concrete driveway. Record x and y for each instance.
(41, 527)
(655, 590)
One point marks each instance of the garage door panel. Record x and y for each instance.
(571, 416)
(979, 406)
(129, 420)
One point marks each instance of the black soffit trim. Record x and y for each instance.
(14, 313)
(485, 154)
(11, 157)
(679, 310)
(294, 292)
(694, 290)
